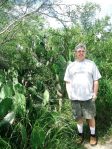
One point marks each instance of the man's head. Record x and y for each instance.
(80, 52)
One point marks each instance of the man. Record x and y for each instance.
(81, 79)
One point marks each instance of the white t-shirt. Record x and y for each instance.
(81, 76)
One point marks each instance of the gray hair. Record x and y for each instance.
(80, 45)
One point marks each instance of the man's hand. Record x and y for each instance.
(94, 97)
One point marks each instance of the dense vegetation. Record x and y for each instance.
(34, 110)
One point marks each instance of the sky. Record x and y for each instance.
(106, 5)
(106, 8)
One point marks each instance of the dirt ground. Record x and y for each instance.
(106, 145)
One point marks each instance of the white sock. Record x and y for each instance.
(80, 128)
(92, 130)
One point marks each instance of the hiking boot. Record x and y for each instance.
(80, 138)
(93, 140)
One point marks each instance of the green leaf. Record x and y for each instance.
(19, 88)
(6, 91)
(4, 144)
(46, 97)
(2, 79)
(37, 137)
(32, 90)
(5, 106)
(9, 118)
(23, 132)
(19, 103)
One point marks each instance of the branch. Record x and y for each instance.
(13, 24)
(7, 38)
(2, 3)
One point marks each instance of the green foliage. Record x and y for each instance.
(37, 137)
(34, 111)
(6, 91)
(4, 144)
(5, 106)
(19, 88)
(8, 119)
(18, 136)
(19, 103)
(45, 97)
(20, 128)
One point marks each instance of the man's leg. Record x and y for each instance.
(92, 126)
(77, 113)
(80, 125)
(80, 131)
(89, 112)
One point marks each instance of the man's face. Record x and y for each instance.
(80, 54)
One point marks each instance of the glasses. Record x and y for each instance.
(79, 51)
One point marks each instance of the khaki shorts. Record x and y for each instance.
(83, 109)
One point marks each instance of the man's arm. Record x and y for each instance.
(68, 89)
(95, 89)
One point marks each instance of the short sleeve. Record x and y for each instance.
(96, 73)
(67, 75)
